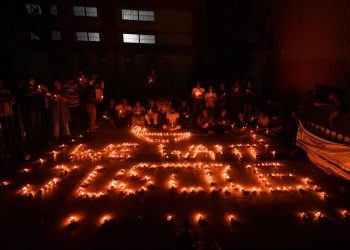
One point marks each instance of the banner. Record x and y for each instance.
(332, 157)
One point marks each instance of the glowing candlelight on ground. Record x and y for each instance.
(169, 217)
(233, 220)
(105, 219)
(200, 217)
(4, 183)
(345, 213)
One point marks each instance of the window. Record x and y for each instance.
(149, 39)
(91, 11)
(130, 15)
(138, 15)
(82, 36)
(33, 9)
(85, 11)
(131, 38)
(88, 36)
(79, 11)
(139, 38)
(33, 36)
(94, 36)
(56, 35)
(146, 15)
(54, 10)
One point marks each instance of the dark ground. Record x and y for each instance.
(267, 221)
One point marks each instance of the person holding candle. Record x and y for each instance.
(60, 111)
(152, 113)
(223, 123)
(185, 115)
(235, 99)
(90, 100)
(210, 100)
(222, 97)
(73, 101)
(138, 114)
(263, 121)
(206, 122)
(123, 112)
(197, 105)
(172, 119)
(249, 99)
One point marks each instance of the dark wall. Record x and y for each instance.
(312, 44)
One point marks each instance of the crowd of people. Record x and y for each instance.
(228, 110)
(78, 105)
(32, 110)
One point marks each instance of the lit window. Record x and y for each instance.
(33, 36)
(138, 15)
(131, 38)
(79, 11)
(91, 11)
(85, 11)
(130, 14)
(54, 10)
(145, 15)
(94, 36)
(82, 36)
(88, 36)
(139, 38)
(56, 35)
(149, 39)
(33, 9)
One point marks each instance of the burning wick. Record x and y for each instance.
(169, 217)
(105, 219)
(201, 220)
(72, 220)
(233, 220)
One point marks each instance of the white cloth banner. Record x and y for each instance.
(332, 157)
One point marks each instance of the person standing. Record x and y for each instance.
(235, 98)
(249, 99)
(210, 100)
(90, 100)
(60, 111)
(99, 87)
(197, 104)
(185, 114)
(222, 96)
(73, 101)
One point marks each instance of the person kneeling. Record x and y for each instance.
(138, 115)
(223, 123)
(172, 121)
(206, 122)
(152, 114)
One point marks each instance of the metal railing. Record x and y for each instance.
(326, 133)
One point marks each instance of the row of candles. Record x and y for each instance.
(173, 182)
(50, 185)
(195, 151)
(159, 137)
(316, 215)
(200, 218)
(120, 151)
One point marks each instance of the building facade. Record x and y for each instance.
(121, 40)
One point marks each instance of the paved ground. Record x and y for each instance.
(95, 204)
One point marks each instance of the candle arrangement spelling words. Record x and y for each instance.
(232, 170)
